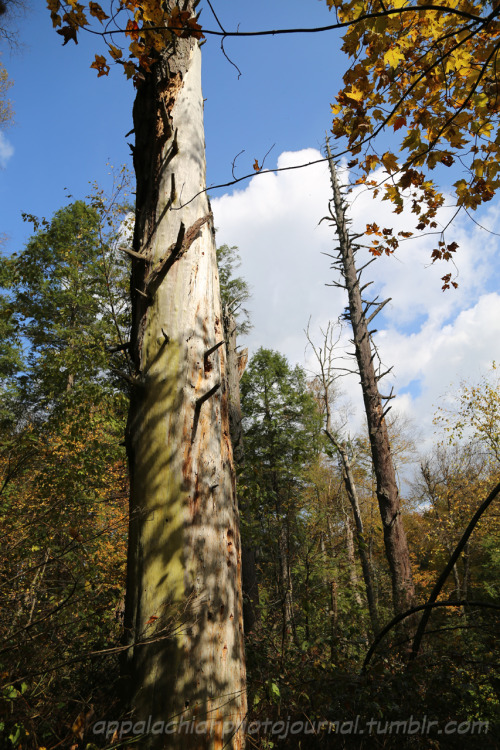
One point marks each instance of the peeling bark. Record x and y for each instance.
(183, 616)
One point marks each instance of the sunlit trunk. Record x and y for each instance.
(183, 610)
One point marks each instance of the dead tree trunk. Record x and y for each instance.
(387, 490)
(351, 561)
(286, 583)
(183, 607)
(330, 589)
(352, 494)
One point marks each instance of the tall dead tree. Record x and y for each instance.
(183, 606)
(359, 316)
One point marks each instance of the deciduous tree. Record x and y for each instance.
(428, 73)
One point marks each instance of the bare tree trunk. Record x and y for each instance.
(236, 363)
(286, 583)
(330, 587)
(387, 490)
(351, 561)
(352, 494)
(456, 578)
(183, 614)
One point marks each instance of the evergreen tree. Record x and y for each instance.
(65, 295)
(281, 437)
(234, 290)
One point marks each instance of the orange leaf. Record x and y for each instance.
(256, 166)
(100, 65)
(132, 29)
(183, 25)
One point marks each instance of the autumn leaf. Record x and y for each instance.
(96, 11)
(392, 57)
(132, 29)
(446, 279)
(390, 162)
(399, 122)
(373, 229)
(152, 619)
(130, 69)
(68, 32)
(115, 52)
(183, 24)
(355, 94)
(256, 166)
(101, 66)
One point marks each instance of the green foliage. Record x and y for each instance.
(234, 290)
(281, 419)
(63, 478)
(64, 300)
(476, 414)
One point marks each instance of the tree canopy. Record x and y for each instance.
(427, 72)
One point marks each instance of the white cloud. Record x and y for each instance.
(433, 338)
(6, 150)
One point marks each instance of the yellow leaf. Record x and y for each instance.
(486, 129)
(355, 94)
(392, 57)
(390, 162)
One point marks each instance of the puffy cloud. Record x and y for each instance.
(433, 338)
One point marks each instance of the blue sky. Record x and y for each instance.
(69, 125)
